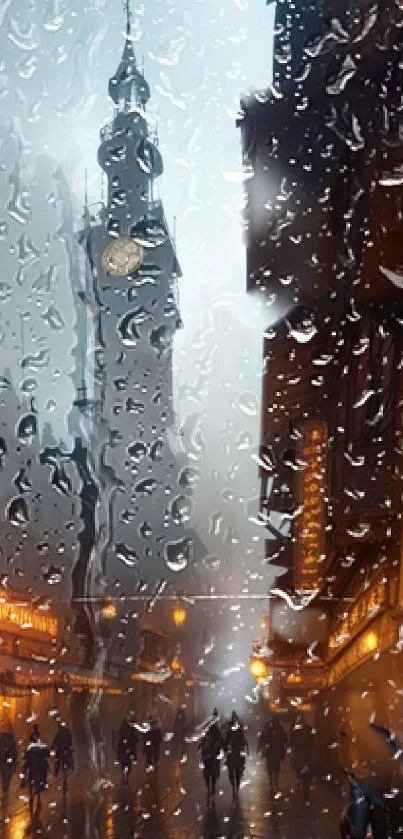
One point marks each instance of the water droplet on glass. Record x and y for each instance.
(36, 361)
(53, 575)
(17, 512)
(53, 318)
(28, 385)
(126, 555)
(27, 428)
(147, 486)
(128, 333)
(181, 509)
(178, 554)
(215, 523)
(247, 404)
(188, 477)
(137, 451)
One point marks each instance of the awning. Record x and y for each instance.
(23, 672)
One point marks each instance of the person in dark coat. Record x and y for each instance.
(180, 730)
(210, 747)
(272, 745)
(152, 743)
(236, 748)
(62, 748)
(8, 758)
(301, 745)
(36, 767)
(126, 747)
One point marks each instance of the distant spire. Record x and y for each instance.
(127, 9)
(86, 190)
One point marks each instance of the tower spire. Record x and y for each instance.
(126, 6)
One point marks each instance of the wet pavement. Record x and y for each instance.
(172, 804)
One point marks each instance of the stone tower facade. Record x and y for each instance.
(131, 295)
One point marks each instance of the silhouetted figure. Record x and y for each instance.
(36, 767)
(152, 743)
(236, 748)
(272, 745)
(180, 730)
(8, 758)
(301, 744)
(126, 747)
(210, 748)
(62, 747)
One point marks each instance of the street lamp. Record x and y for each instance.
(179, 615)
(258, 669)
(109, 611)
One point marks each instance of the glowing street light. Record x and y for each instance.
(258, 669)
(179, 615)
(109, 611)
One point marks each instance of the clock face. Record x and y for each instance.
(122, 256)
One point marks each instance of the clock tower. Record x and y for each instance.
(131, 292)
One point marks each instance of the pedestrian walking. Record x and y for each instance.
(36, 767)
(236, 748)
(211, 746)
(180, 730)
(126, 747)
(8, 757)
(152, 743)
(272, 745)
(62, 749)
(301, 745)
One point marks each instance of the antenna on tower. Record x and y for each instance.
(174, 231)
(86, 190)
(126, 6)
(142, 64)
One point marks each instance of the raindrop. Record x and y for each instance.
(247, 404)
(36, 361)
(137, 451)
(17, 512)
(188, 477)
(133, 407)
(127, 330)
(145, 529)
(304, 333)
(147, 486)
(22, 482)
(126, 555)
(244, 440)
(178, 554)
(215, 523)
(53, 318)
(28, 385)
(181, 509)
(53, 575)
(27, 428)
(156, 450)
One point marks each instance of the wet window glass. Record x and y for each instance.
(201, 575)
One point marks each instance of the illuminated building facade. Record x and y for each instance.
(323, 207)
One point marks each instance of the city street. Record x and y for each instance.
(172, 805)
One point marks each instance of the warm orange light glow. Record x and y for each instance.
(109, 611)
(294, 679)
(179, 615)
(370, 641)
(176, 666)
(258, 668)
(26, 617)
